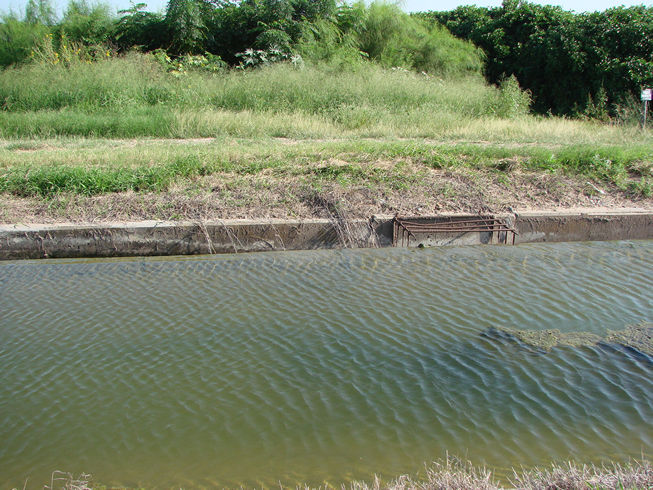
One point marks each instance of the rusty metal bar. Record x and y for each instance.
(455, 222)
(394, 233)
(405, 232)
(452, 225)
(464, 230)
(469, 227)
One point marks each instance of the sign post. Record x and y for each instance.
(646, 96)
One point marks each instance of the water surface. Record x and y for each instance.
(315, 367)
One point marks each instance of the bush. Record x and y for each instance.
(17, 39)
(573, 64)
(512, 100)
(394, 38)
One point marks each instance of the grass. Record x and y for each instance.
(62, 177)
(73, 179)
(90, 167)
(459, 475)
(127, 139)
(139, 81)
(134, 96)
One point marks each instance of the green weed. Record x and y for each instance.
(62, 178)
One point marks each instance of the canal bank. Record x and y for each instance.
(149, 238)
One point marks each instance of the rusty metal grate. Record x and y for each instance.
(405, 229)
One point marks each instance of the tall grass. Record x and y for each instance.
(136, 96)
(137, 122)
(116, 83)
(137, 81)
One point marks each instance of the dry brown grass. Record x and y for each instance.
(455, 474)
(451, 474)
(287, 195)
(572, 476)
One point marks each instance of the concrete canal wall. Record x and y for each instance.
(587, 226)
(186, 238)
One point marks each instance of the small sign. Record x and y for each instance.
(646, 94)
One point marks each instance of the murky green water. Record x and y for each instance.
(318, 366)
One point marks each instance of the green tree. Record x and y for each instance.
(568, 61)
(86, 23)
(136, 28)
(186, 27)
(18, 38)
(392, 37)
(40, 12)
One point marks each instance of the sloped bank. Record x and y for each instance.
(187, 238)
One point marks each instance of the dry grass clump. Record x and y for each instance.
(62, 480)
(451, 474)
(455, 474)
(572, 476)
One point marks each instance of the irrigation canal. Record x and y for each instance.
(319, 366)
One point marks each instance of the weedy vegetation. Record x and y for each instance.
(453, 473)
(73, 179)
(364, 101)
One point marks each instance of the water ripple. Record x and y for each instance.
(318, 366)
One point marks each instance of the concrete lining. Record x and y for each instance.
(591, 225)
(228, 236)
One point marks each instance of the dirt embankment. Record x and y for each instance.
(417, 192)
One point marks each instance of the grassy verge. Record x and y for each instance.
(47, 168)
(134, 96)
(125, 139)
(91, 179)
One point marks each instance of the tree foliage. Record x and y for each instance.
(139, 29)
(568, 61)
(573, 64)
(40, 12)
(86, 23)
(186, 27)
(17, 38)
